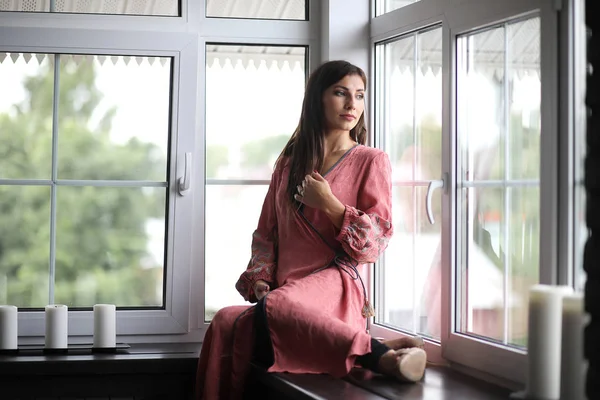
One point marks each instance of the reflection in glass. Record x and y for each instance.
(164, 8)
(113, 117)
(498, 123)
(110, 246)
(24, 245)
(482, 272)
(409, 275)
(481, 105)
(253, 102)
(524, 234)
(26, 101)
(524, 99)
(258, 9)
(228, 249)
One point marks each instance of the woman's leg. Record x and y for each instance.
(407, 364)
(371, 360)
(263, 348)
(215, 363)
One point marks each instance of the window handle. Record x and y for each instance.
(437, 184)
(184, 182)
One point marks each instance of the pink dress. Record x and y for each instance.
(314, 314)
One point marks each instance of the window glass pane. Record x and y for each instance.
(482, 265)
(121, 7)
(227, 249)
(413, 257)
(524, 99)
(24, 245)
(26, 116)
(498, 122)
(253, 102)
(385, 6)
(113, 117)
(258, 9)
(110, 246)
(410, 83)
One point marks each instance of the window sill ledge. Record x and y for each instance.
(439, 383)
(150, 371)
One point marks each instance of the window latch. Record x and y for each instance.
(437, 184)
(184, 182)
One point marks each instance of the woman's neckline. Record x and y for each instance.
(341, 159)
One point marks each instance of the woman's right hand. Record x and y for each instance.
(261, 288)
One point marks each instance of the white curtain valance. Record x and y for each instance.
(78, 58)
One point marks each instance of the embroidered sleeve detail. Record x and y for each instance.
(367, 228)
(364, 236)
(260, 267)
(263, 258)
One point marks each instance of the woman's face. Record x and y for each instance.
(344, 103)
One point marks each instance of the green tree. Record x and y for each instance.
(262, 152)
(101, 238)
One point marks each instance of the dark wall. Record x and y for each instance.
(591, 259)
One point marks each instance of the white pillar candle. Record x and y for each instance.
(105, 326)
(57, 326)
(8, 328)
(544, 341)
(572, 382)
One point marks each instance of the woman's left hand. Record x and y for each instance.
(314, 191)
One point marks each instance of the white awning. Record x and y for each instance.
(264, 9)
(489, 50)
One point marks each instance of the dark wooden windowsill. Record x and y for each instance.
(145, 371)
(167, 371)
(439, 383)
(139, 358)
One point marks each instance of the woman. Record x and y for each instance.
(327, 213)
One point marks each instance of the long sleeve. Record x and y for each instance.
(263, 260)
(367, 229)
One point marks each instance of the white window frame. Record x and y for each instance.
(433, 349)
(458, 17)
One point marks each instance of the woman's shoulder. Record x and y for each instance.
(372, 154)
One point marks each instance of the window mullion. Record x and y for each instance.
(414, 189)
(508, 191)
(56, 98)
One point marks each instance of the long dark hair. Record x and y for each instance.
(305, 148)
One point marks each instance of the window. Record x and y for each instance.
(258, 9)
(116, 7)
(466, 102)
(253, 101)
(83, 178)
(410, 130)
(498, 128)
(386, 6)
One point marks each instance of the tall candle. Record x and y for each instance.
(105, 326)
(8, 328)
(544, 341)
(572, 382)
(56, 326)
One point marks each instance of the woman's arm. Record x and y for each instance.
(367, 228)
(263, 260)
